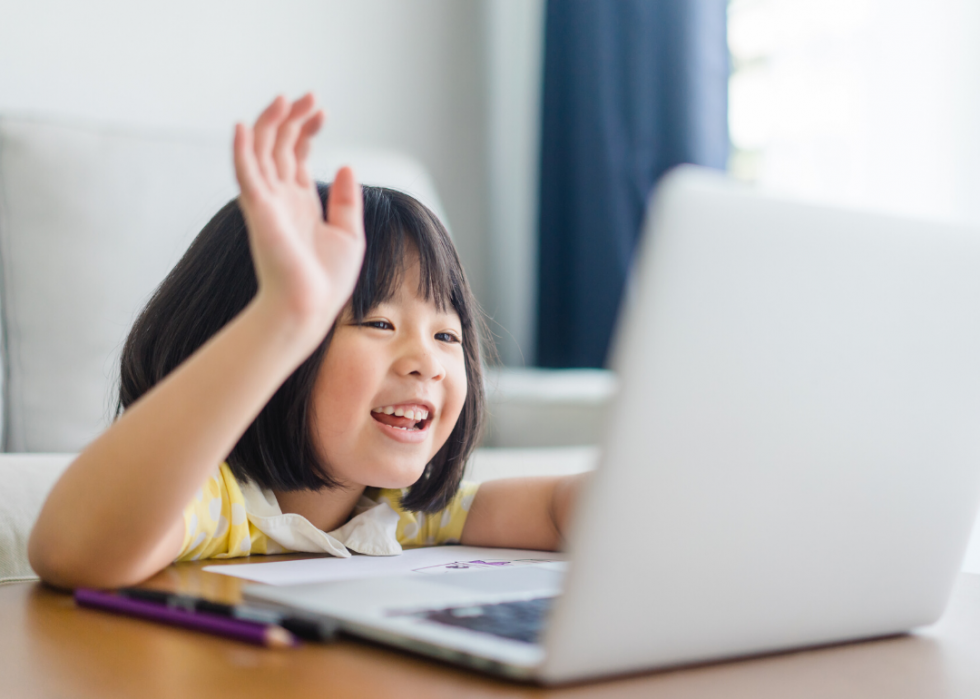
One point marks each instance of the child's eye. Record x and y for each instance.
(447, 337)
(379, 324)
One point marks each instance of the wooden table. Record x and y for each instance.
(50, 648)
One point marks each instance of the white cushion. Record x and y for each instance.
(491, 464)
(91, 220)
(548, 407)
(25, 480)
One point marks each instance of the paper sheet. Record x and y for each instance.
(434, 560)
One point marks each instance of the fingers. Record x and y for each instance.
(247, 170)
(303, 143)
(276, 148)
(345, 204)
(266, 127)
(289, 129)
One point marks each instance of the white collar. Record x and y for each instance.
(371, 531)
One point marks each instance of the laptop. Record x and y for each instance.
(792, 460)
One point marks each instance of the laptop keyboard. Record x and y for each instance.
(519, 621)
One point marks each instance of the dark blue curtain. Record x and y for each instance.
(631, 88)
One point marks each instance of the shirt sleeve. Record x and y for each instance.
(433, 528)
(215, 522)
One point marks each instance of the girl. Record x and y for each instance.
(343, 400)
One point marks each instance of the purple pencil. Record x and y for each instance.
(238, 629)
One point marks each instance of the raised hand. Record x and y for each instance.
(306, 267)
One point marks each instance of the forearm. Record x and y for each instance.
(111, 518)
(528, 513)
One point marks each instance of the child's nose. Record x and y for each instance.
(418, 360)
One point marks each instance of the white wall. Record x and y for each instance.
(404, 75)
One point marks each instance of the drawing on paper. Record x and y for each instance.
(479, 564)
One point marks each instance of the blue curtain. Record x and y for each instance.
(631, 88)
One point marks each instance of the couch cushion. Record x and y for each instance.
(91, 220)
(547, 407)
(25, 480)
(491, 464)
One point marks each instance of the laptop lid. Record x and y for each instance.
(794, 455)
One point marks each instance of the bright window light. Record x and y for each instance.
(859, 102)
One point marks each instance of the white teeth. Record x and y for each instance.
(411, 414)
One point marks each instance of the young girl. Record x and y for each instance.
(279, 396)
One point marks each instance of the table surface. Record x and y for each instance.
(51, 648)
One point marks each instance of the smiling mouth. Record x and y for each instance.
(402, 422)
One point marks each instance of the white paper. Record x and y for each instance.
(433, 560)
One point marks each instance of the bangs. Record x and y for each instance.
(400, 226)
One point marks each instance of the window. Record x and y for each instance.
(862, 102)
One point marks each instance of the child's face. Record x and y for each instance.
(404, 356)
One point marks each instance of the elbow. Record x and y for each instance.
(61, 564)
(52, 563)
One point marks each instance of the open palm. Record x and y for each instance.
(306, 266)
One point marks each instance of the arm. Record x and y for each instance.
(115, 516)
(523, 513)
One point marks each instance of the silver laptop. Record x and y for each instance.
(793, 458)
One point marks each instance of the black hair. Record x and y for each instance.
(214, 281)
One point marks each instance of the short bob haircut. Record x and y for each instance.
(215, 280)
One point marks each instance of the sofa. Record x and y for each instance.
(91, 219)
